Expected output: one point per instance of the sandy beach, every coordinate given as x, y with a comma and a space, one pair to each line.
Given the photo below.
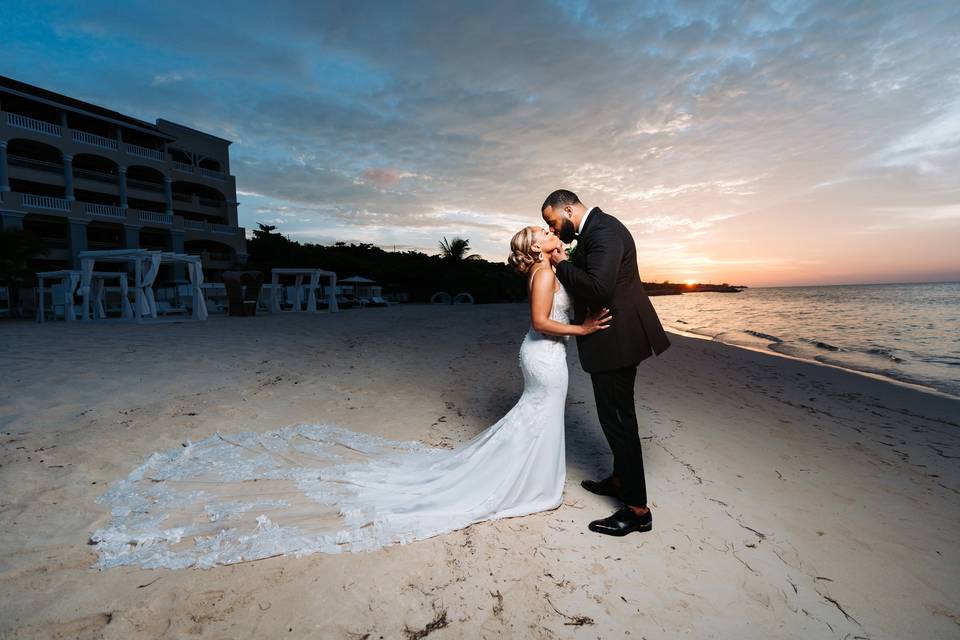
790, 499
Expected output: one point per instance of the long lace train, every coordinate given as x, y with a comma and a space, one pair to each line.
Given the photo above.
312, 488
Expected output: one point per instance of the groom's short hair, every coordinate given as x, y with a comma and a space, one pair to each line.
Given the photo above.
559, 199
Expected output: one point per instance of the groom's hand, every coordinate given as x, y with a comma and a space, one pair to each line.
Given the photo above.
558, 256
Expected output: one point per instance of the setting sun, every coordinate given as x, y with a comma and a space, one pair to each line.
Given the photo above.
690, 282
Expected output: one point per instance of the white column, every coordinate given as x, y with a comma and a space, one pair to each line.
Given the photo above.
68, 176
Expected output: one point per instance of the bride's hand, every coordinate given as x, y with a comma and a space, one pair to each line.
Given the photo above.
596, 321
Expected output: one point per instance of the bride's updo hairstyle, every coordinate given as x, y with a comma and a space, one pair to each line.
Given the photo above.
522, 257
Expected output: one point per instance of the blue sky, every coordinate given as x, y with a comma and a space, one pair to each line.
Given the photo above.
757, 143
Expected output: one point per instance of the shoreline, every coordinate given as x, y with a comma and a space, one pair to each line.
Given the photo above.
869, 374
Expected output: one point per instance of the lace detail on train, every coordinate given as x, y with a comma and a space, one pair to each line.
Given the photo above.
311, 488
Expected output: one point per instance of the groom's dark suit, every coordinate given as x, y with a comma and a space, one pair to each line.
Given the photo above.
603, 272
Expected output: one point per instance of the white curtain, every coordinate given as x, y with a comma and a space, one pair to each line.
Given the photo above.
334, 307
96, 293
275, 293
195, 270
148, 304
312, 298
72, 279
298, 292
125, 307
86, 271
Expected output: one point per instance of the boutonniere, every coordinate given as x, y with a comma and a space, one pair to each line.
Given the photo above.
571, 248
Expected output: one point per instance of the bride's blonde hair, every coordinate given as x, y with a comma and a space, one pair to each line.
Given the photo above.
522, 255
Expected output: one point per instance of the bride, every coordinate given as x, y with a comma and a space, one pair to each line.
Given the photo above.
320, 488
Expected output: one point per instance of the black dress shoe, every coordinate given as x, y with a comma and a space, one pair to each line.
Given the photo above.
604, 487
623, 522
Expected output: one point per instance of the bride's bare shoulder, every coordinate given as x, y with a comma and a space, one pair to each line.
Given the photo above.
543, 280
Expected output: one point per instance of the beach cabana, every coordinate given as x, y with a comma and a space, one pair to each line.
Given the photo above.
364, 289
146, 265
69, 280
299, 274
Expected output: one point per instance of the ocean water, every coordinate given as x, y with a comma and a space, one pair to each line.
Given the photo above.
908, 332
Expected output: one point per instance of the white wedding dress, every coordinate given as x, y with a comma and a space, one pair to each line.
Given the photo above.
320, 488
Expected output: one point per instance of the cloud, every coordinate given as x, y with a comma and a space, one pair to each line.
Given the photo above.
800, 122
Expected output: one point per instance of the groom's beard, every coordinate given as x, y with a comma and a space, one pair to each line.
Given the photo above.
567, 231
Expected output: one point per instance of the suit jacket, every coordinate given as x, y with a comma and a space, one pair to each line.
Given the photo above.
603, 273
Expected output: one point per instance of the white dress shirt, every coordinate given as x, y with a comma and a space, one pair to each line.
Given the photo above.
583, 220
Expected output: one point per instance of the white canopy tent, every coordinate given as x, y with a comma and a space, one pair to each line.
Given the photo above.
315, 275
146, 265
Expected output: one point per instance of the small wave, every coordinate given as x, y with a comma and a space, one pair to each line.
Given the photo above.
937, 360
765, 336
886, 353
822, 345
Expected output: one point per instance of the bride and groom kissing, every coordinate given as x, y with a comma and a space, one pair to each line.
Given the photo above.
311, 488
615, 324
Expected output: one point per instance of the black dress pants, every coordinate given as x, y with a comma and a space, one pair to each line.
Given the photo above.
613, 391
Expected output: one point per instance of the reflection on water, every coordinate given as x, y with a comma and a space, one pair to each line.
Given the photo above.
909, 332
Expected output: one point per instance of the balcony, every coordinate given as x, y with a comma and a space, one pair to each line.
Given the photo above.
49, 203
143, 185
210, 173
95, 140
98, 176
144, 152
156, 217
37, 165
32, 124
104, 211
200, 171
196, 204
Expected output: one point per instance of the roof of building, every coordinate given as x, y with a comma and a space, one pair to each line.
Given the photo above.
192, 130
358, 279
46, 95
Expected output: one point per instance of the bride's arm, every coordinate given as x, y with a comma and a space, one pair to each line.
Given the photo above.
541, 300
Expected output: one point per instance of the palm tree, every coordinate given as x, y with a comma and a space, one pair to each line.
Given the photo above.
456, 250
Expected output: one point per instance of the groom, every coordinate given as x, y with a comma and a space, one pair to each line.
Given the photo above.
603, 273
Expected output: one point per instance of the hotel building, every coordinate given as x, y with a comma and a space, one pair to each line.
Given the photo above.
82, 177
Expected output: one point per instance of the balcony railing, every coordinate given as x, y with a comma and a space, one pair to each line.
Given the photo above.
33, 163
95, 140
200, 171
144, 152
103, 210
196, 225
156, 217
99, 176
24, 122
210, 173
223, 228
44, 202
143, 184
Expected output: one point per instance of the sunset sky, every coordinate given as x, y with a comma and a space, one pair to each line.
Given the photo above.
743, 142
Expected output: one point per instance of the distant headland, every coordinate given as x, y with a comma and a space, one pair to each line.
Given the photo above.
667, 288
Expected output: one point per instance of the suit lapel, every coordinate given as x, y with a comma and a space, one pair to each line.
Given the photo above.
596, 213
579, 257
